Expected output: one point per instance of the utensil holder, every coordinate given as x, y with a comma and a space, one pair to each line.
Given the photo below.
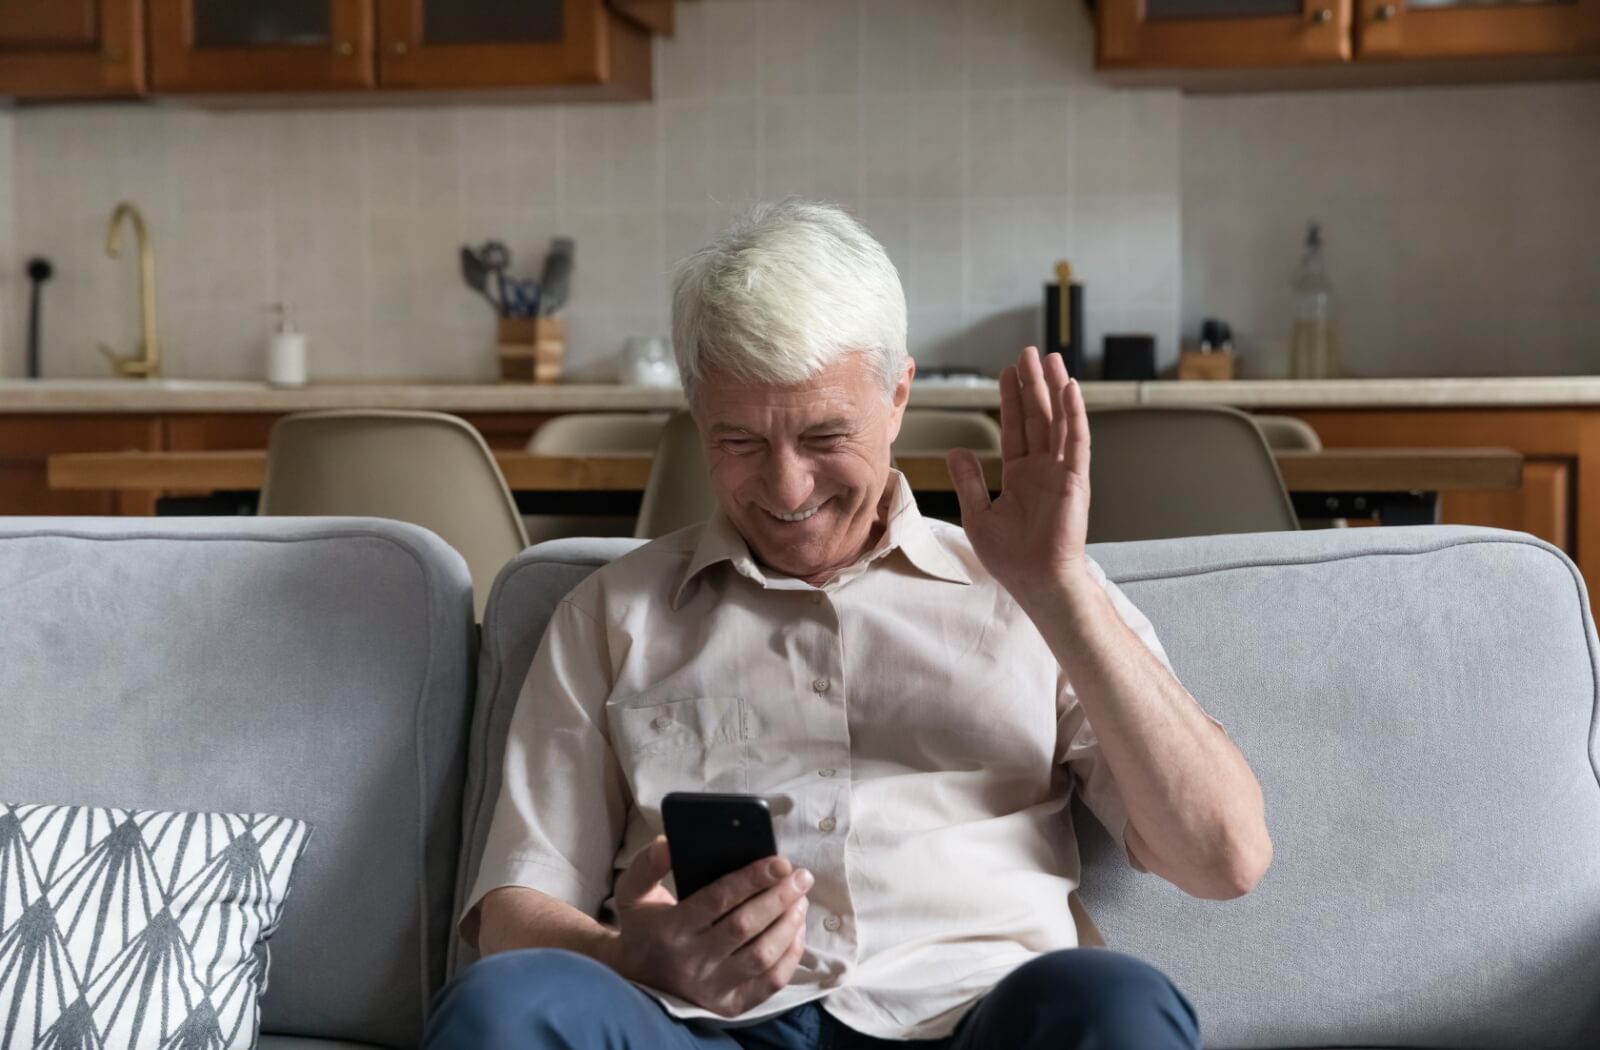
530, 349
1207, 364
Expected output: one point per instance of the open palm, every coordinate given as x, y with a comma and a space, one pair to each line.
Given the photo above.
1031, 537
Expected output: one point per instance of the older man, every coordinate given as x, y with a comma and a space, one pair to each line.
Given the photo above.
926, 698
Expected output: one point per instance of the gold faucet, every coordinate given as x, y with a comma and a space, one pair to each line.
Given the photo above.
147, 362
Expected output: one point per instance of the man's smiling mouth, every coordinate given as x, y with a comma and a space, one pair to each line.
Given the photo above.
800, 516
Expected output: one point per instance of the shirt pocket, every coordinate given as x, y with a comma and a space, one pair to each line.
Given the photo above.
701, 744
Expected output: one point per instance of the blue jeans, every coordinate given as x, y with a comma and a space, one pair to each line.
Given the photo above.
543, 999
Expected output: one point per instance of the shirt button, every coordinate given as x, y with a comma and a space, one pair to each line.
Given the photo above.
820, 685
816, 599
832, 923
828, 824
660, 722
826, 772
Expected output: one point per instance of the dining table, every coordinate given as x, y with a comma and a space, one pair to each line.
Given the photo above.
1396, 486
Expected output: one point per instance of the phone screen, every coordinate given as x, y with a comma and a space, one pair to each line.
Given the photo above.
713, 835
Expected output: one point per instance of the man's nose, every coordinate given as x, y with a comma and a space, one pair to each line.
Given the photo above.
789, 482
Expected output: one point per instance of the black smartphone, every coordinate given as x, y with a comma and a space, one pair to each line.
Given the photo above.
714, 835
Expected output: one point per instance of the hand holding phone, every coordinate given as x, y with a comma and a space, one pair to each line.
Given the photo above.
727, 945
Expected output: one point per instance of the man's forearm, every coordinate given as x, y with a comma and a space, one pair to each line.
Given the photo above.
1195, 810
515, 917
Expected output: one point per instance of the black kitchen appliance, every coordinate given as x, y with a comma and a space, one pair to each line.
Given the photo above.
1063, 320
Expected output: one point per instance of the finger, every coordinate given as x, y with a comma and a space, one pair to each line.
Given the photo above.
1036, 410
1078, 431
648, 867
966, 475
764, 986
712, 902
1013, 443
1056, 379
746, 924
767, 949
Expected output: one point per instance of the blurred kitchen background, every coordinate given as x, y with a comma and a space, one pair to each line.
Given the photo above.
975, 138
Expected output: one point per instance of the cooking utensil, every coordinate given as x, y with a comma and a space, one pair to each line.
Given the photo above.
476, 274
496, 259
39, 271
522, 298
556, 279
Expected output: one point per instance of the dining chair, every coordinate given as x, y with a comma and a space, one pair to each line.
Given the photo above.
592, 434
930, 431
1158, 472
426, 468
1286, 433
679, 491
598, 433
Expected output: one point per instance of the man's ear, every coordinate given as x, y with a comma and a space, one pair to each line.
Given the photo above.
898, 399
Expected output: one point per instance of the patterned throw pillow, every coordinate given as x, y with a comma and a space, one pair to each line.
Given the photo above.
134, 929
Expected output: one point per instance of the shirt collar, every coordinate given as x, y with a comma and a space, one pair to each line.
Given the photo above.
907, 531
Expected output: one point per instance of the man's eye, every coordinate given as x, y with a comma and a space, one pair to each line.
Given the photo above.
827, 440
739, 446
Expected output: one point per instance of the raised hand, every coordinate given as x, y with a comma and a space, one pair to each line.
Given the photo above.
1031, 538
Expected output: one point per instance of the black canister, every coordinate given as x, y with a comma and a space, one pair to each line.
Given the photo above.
1063, 324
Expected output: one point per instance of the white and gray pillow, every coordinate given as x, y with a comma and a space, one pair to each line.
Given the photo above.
136, 928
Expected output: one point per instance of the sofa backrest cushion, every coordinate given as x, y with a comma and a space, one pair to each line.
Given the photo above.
525, 594
1420, 707
313, 668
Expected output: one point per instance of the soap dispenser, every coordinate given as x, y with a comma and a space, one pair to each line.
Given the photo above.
286, 351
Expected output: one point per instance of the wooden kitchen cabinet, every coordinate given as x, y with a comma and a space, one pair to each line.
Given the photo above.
1542, 507
465, 44
253, 48
655, 15
218, 46
1432, 29
71, 48
1281, 44
1221, 34
1559, 500
28, 441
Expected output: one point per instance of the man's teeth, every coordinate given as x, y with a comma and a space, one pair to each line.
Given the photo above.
802, 516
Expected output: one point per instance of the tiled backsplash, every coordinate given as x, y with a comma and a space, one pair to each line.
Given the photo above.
1462, 225
968, 134
971, 135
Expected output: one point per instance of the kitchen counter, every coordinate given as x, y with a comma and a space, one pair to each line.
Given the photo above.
1503, 392
65, 396
187, 395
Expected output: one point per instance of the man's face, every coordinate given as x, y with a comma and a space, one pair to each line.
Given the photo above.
799, 470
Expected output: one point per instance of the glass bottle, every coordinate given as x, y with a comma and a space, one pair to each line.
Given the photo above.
1313, 343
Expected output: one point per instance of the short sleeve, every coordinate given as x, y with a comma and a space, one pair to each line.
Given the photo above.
1076, 744
562, 807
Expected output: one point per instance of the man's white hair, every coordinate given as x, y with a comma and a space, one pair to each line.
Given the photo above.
786, 291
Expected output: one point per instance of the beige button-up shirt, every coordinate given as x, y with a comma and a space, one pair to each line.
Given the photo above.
924, 738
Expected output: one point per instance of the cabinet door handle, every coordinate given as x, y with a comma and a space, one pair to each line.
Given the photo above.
1322, 15
345, 48
400, 47
1386, 12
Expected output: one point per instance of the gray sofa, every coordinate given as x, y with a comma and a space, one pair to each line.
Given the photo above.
1420, 705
